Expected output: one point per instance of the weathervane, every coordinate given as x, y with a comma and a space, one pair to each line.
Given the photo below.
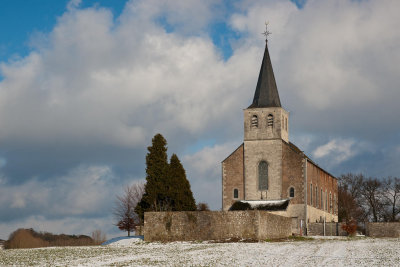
266, 32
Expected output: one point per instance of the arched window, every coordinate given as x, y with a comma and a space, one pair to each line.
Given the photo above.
291, 192
334, 203
254, 121
326, 199
263, 176
270, 120
322, 199
235, 193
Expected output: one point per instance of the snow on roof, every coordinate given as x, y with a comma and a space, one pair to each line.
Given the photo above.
265, 203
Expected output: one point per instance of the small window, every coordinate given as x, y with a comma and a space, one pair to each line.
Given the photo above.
235, 193
286, 124
254, 121
311, 193
270, 120
291, 192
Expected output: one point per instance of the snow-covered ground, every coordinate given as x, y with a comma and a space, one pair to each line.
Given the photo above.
132, 252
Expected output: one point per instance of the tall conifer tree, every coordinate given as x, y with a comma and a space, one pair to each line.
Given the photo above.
166, 185
155, 197
179, 189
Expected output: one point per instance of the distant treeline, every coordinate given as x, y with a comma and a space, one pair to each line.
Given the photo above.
29, 238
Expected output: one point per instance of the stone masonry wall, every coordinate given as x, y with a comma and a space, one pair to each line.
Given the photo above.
263, 131
232, 178
255, 152
383, 229
331, 229
214, 225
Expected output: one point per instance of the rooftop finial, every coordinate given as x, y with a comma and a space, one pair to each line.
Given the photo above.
266, 32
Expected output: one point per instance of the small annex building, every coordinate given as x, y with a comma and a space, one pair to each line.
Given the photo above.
267, 167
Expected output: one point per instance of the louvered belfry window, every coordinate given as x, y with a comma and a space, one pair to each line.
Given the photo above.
263, 176
270, 120
254, 121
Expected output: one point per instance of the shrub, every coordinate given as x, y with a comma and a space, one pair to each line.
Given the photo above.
24, 238
202, 207
29, 238
238, 205
98, 237
350, 227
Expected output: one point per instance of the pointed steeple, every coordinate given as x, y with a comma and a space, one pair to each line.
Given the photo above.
266, 94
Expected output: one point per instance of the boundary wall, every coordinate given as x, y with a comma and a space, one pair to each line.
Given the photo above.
383, 229
215, 225
331, 229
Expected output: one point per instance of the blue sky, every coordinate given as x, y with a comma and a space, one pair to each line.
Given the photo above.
85, 85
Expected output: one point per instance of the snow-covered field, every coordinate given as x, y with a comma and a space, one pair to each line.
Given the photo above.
133, 252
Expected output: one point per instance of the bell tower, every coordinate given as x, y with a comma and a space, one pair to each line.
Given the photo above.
266, 126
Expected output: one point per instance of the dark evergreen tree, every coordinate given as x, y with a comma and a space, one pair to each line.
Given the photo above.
155, 197
166, 185
179, 187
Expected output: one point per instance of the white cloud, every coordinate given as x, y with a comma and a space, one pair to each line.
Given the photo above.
94, 83
85, 190
204, 172
73, 4
338, 150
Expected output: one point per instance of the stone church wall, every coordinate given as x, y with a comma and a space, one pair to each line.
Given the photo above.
214, 225
383, 229
232, 178
292, 174
271, 152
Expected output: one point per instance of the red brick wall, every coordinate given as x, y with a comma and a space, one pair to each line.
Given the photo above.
323, 180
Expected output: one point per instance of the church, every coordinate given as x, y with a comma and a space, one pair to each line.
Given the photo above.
268, 170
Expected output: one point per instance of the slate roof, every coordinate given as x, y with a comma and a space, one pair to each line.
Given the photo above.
266, 94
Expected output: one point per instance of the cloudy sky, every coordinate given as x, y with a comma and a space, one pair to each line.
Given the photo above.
85, 85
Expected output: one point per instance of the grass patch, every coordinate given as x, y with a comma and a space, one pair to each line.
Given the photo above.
300, 238
290, 238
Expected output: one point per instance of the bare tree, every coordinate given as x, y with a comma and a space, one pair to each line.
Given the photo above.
98, 237
351, 203
124, 209
391, 194
352, 183
348, 209
372, 193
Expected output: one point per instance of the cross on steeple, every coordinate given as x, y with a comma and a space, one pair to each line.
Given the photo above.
266, 32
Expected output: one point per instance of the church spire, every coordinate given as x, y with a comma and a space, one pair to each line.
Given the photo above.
266, 94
